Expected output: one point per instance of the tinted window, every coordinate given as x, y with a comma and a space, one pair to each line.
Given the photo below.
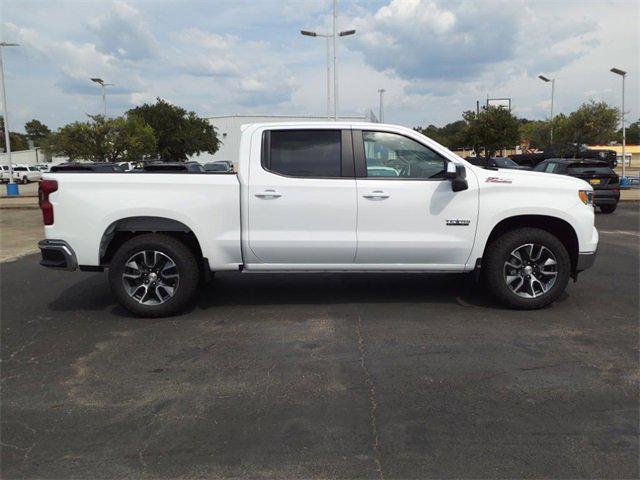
19, 169
305, 153
392, 155
505, 162
586, 169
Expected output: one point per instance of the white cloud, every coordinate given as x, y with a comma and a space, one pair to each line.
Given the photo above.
124, 33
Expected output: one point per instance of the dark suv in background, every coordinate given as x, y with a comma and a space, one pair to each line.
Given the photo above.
605, 182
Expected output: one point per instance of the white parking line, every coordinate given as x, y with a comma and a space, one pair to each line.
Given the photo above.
619, 232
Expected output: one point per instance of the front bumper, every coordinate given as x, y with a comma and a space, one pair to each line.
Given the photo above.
57, 254
585, 260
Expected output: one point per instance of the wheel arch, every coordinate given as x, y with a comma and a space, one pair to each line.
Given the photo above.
124, 229
558, 227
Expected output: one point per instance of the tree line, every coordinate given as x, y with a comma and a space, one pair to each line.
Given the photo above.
495, 128
159, 131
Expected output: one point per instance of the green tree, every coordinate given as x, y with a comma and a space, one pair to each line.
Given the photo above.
632, 133
179, 133
450, 135
491, 129
37, 131
593, 123
104, 139
18, 140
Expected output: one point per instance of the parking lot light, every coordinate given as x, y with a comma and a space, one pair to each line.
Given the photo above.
623, 74
12, 187
553, 85
104, 96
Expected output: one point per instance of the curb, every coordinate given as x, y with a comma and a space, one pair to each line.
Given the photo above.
19, 256
19, 207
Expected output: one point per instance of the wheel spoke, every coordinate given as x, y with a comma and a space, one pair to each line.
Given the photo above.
530, 270
150, 277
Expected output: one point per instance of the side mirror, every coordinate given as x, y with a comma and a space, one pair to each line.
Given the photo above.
457, 174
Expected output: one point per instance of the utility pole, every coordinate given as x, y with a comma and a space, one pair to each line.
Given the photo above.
381, 110
12, 187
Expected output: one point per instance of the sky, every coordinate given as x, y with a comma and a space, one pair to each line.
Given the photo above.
434, 58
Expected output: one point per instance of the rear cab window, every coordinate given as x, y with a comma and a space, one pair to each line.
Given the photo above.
313, 153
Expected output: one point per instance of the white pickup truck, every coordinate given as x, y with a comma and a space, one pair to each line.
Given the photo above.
318, 197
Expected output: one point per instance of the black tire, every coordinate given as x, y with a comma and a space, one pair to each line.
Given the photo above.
499, 251
185, 264
608, 208
25, 180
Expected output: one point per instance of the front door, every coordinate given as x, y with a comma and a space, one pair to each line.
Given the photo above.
302, 198
407, 211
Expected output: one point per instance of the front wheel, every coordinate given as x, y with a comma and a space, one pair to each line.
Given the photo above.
25, 180
154, 275
608, 208
527, 268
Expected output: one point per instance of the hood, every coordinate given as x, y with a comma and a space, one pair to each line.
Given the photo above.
530, 178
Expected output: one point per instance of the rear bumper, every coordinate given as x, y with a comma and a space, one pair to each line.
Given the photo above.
606, 197
585, 261
57, 254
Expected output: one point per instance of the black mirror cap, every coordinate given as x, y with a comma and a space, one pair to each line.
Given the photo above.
459, 184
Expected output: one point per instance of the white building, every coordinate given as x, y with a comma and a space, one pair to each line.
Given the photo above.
228, 131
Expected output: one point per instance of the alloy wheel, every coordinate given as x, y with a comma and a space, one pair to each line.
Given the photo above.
150, 277
530, 270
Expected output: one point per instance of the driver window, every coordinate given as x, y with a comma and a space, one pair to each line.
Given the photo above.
394, 156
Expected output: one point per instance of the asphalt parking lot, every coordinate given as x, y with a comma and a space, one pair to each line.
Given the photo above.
328, 376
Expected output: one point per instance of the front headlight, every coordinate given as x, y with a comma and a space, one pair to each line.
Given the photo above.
586, 196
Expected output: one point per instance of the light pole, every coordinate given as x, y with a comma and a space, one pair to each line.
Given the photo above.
104, 95
331, 36
623, 74
381, 111
553, 87
12, 187
327, 36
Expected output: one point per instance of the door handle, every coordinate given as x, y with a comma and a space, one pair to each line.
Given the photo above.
269, 193
376, 194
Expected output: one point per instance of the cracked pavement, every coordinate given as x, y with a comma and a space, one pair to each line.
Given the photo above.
324, 376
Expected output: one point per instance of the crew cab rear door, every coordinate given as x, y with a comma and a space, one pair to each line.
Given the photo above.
408, 214
302, 198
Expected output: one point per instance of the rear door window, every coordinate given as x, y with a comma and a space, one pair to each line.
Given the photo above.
304, 153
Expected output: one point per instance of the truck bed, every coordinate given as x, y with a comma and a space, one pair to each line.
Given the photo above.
208, 205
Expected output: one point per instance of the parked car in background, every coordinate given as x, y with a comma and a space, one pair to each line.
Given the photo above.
26, 174
496, 162
605, 182
43, 167
4, 173
303, 200
223, 167
127, 166
86, 167
171, 167
533, 159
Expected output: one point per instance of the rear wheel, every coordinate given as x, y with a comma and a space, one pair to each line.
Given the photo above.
154, 275
25, 180
608, 208
526, 268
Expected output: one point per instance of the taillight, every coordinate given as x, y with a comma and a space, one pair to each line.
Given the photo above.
45, 188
